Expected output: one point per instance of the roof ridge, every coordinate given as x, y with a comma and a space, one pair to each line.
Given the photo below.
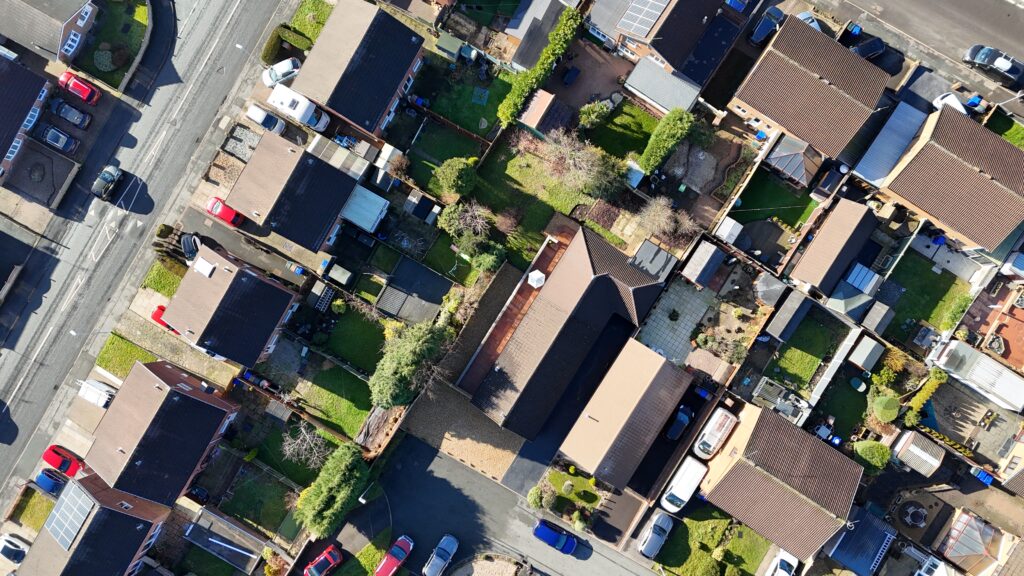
978, 169
820, 78
744, 459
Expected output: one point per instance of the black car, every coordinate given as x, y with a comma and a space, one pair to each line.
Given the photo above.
683, 418
104, 184
870, 48
198, 494
1008, 69
767, 25
73, 115
190, 245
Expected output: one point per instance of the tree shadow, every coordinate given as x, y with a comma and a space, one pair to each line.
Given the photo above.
8, 427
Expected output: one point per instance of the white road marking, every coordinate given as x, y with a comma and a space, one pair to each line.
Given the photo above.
110, 231
75, 287
138, 186
21, 381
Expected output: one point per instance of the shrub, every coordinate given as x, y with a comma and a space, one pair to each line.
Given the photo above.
894, 360
884, 378
658, 216
320, 338
938, 374
667, 135
392, 327
935, 379
592, 481
731, 570
294, 38
393, 383
490, 258
251, 455
702, 564
533, 497
886, 408
339, 306
335, 492
872, 455
272, 47
578, 523
593, 114
911, 419
548, 496
567, 487
456, 176
608, 177
572, 470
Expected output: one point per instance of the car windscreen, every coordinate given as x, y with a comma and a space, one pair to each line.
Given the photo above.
789, 568
268, 122
397, 552
674, 500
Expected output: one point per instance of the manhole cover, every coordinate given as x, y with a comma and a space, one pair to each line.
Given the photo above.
37, 172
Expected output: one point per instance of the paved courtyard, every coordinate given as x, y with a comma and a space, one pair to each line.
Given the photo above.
671, 338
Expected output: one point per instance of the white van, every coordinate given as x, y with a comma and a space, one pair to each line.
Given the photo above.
714, 434
96, 392
298, 107
683, 484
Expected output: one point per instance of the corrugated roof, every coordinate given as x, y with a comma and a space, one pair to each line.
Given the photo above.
885, 152
846, 230
919, 453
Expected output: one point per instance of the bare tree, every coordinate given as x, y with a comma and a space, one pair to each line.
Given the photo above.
572, 160
398, 167
474, 218
522, 142
658, 216
686, 228
304, 445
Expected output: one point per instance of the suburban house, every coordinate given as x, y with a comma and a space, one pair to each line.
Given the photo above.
677, 44
24, 96
640, 392
974, 545
158, 431
95, 529
861, 546
811, 88
54, 29
228, 308
301, 197
362, 65
834, 248
580, 303
965, 179
786, 484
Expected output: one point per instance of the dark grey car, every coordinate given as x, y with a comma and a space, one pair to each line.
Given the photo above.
104, 184
1008, 69
441, 556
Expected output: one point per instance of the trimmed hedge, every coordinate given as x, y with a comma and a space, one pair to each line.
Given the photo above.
282, 33
667, 135
323, 506
524, 83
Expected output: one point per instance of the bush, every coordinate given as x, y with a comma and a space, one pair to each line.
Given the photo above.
911, 419
294, 38
272, 47
251, 455
670, 131
702, 564
658, 216
320, 339
393, 383
894, 360
938, 374
872, 455
935, 379
593, 114
567, 487
548, 496
339, 306
731, 570
886, 408
572, 470
490, 258
323, 506
456, 176
578, 523
884, 378
533, 498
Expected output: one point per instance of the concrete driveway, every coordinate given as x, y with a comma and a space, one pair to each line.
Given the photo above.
431, 494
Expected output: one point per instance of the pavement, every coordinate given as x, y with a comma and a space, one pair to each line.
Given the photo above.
93, 255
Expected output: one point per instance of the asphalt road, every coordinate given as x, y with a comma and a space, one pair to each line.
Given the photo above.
93, 256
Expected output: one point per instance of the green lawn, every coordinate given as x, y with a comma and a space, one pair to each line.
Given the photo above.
32, 509
357, 339
340, 399
270, 454
385, 258
437, 143
199, 561
368, 287
846, 404
162, 279
766, 196
310, 17
582, 492
443, 260
1005, 126
119, 354
690, 542
746, 549
627, 129
799, 358
455, 101
365, 561
115, 16
938, 299
258, 500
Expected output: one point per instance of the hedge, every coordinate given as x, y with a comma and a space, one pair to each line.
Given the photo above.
335, 492
524, 83
282, 33
667, 135
925, 393
872, 455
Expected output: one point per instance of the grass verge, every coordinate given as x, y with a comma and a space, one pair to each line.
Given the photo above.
119, 354
365, 561
162, 279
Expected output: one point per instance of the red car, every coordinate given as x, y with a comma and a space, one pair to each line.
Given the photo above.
63, 459
158, 317
87, 92
395, 557
324, 563
217, 207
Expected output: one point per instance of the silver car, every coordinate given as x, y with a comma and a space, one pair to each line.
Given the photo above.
654, 536
281, 72
441, 556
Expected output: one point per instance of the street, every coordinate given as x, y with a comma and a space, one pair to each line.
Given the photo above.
94, 254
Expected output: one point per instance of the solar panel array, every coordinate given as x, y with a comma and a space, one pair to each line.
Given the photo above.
641, 16
66, 520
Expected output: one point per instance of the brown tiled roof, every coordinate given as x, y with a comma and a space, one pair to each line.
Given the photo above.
835, 245
967, 178
1016, 483
813, 87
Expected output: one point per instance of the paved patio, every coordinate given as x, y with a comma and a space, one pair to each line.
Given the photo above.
960, 265
671, 338
599, 74
958, 411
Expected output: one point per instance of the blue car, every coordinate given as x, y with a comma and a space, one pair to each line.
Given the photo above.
554, 536
51, 481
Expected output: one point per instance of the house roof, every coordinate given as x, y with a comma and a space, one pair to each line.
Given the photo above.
359, 61
37, 22
768, 288
538, 27
847, 299
233, 311
789, 316
985, 374
669, 90
817, 89
413, 292
966, 177
789, 486
703, 263
888, 147
835, 245
795, 159
861, 547
592, 285
640, 392
972, 543
19, 89
689, 21
919, 453
1015, 483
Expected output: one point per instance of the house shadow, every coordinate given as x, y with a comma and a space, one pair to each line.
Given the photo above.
156, 69
27, 293
8, 427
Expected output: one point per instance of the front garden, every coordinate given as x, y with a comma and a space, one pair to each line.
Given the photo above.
1012, 131
936, 299
767, 196
797, 361
31, 509
706, 534
119, 354
117, 40
165, 276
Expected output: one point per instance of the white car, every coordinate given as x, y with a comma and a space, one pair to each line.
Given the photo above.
809, 18
268, 121
784, 564
281, 72
12, 548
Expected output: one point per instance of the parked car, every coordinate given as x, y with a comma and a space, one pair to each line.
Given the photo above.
190, 245
1006, 68
80, 88
51, 481
784, 564
158, 317
654, 537
809, 18
767, 25
217, 207
298, 108
683, 418
949, 99
683, 484
58, 139
554, 536
395, 557
441, 556
198, 494
12, 548
870, 48
324, 563
68, 112
265, 119
106, 180
714, 434
63, 459
281, 72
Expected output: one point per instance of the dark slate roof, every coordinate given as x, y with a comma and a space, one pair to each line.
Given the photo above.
848, 300
795, 159
878, 317
376, 71
862, 548
653, 260
683, 28
19, 88
714, 44
107, 544
310, 202
789, 316
536, 37
41, 22
703, 263
413, 292
245, 318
